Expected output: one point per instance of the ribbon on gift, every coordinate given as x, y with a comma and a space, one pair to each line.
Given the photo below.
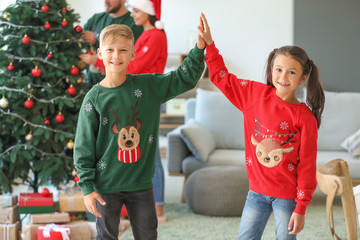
8, 200
64, 230
69, 189
6, 231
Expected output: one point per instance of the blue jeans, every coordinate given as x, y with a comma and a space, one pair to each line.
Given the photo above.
158, 181
140, 207
257, 211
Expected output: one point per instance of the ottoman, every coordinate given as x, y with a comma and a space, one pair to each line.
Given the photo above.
217, 191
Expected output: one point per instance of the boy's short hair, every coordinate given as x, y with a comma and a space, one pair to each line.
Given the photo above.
117, 31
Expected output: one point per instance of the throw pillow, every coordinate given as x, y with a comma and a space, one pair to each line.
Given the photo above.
198, 139
356, 153
352, 143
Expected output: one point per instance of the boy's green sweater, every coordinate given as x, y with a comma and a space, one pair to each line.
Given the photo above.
136, 102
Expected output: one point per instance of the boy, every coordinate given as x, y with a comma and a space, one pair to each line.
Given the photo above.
117, 134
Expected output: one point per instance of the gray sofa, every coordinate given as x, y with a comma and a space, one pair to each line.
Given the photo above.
213, 134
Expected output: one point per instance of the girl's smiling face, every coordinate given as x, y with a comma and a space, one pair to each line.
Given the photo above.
287, 75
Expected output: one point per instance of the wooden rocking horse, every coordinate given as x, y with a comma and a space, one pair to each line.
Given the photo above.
334, 180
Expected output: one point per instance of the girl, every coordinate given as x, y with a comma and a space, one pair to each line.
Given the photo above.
280, 136
151, 55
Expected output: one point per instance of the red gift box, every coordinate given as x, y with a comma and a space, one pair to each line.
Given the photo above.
35, 200
53, 232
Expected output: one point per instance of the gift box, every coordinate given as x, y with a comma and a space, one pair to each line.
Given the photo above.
36, 203
53, 232
9, 215
35, 200
10, 231
79, 230
43, 209
8, 200
50, 218
72, 202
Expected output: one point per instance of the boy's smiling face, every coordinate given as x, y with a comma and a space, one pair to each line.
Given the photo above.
116, 54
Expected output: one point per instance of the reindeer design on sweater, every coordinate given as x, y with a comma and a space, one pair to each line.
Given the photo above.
128, 138
269, 151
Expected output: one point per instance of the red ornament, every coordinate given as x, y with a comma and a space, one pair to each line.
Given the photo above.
47, 25
71, 90
29, 103
63, 10
47, 122
36, 72
50, 55
64, 23
78, 29
74, 71
76, 179
26, 39
60, 118
89, 52
45, 8
11, 67
45, 192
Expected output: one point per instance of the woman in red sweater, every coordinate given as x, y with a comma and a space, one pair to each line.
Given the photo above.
280, 136
151, 55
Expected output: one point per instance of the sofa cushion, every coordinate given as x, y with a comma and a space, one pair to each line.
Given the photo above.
221, 118
198, 139
340, 119
352, 144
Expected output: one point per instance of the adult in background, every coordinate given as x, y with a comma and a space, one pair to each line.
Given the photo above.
151, 55
115, 13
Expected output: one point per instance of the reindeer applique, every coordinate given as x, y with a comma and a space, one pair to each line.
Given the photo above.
269, 151
128, 138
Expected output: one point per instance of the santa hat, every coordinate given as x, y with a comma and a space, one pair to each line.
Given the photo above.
151, 7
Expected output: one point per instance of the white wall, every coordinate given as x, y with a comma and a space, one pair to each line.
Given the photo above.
244, 31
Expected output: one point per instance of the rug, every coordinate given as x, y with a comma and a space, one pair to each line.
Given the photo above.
183, 224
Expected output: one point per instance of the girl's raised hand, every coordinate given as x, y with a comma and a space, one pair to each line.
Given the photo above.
204, 30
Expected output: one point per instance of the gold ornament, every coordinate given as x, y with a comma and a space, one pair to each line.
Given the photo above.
74, 173
6, 15
70, 144
80, 80
4, 103
29, 136
81, 65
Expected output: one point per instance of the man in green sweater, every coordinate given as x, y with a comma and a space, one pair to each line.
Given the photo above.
115, 13
117, 134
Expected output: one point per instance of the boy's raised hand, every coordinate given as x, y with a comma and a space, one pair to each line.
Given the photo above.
90, 203
204, 32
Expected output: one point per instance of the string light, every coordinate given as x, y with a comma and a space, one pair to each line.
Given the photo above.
35, 125
42, 100
62, 154
272, 134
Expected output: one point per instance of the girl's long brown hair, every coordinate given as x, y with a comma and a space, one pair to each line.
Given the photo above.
315, 96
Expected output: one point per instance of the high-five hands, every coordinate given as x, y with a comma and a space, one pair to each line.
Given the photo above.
204, 35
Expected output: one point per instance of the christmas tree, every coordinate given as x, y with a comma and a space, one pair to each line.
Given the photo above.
41, 91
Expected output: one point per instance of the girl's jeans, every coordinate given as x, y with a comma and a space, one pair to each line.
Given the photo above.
158, 181
257, 211
140, 207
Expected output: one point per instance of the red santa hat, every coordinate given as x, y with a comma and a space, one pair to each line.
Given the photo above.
151, 7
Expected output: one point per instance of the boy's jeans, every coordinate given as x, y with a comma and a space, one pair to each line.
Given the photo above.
140, 207
257, 211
